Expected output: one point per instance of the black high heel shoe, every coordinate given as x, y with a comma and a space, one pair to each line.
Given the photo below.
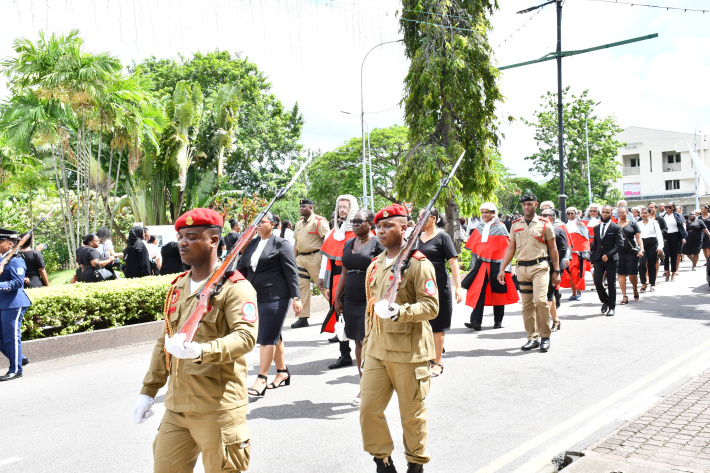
254, 392
284, 382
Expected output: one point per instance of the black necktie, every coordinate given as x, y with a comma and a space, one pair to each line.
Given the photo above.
603, 229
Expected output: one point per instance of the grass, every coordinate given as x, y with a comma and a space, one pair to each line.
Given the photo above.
61, 277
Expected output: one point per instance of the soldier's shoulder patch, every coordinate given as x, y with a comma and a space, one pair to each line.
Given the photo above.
20, 270
517, 219
236, 276
249, 312
179, 277
418, 255
430, 287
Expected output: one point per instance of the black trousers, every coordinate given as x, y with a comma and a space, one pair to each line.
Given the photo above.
608, 268
477, 313
648, 260
345, 348
672, 242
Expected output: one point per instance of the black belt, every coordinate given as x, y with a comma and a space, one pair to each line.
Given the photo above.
531, 263
309, 253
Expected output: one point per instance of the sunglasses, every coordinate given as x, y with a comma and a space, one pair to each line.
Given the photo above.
358, 221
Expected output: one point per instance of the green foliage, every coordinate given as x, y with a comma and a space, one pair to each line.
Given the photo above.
450, 101
267, 134
339, 171
70, 308
603, 148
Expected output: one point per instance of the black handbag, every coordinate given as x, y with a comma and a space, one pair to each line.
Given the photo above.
104, 274
635, 248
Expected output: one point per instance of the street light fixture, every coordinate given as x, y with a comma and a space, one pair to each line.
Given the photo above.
589, 169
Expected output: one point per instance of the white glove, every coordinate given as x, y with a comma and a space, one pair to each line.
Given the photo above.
385, 310
143, 409
179, 348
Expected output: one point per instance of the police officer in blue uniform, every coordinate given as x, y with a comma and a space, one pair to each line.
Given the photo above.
13, 305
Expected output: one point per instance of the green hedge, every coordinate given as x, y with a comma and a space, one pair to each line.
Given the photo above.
61, 310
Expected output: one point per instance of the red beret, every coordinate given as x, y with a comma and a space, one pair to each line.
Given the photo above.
199, 218
394, 210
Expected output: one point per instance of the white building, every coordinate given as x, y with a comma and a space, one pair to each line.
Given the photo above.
656, 166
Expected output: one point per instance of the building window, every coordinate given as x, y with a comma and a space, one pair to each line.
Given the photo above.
673, 158
632, 165
673, 185
671, 161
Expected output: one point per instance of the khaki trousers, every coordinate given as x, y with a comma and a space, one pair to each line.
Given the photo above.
411, 381
222, 437
308, 268
533, 282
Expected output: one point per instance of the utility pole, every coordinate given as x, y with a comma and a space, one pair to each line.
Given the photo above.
560, 131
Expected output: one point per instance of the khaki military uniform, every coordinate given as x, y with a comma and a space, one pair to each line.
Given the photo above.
206, 401
397, 358
309, 234
533, 273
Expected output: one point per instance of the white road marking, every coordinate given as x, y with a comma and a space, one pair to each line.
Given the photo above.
10, 460
700, 355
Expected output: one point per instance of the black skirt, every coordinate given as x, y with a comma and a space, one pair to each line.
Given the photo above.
272, 315
628, 264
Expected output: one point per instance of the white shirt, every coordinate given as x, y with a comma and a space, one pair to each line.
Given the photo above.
153, 251
195, 285
288, 235
651, 230
257, 253
105, 248
671, 223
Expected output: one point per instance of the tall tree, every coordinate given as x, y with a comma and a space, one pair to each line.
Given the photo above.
603, 148
450, 101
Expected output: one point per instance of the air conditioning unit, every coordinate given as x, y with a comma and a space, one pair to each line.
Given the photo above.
668, 169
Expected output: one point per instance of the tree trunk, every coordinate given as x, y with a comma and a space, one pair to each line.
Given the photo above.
73, 241
107, 199
79, 175
64, 212
98, 169
115, 190
452, 222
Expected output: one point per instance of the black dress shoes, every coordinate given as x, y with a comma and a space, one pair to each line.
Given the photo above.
476, 327
25, 361
383, 467
530, 345
610, 313
300, 323
544, 344
414, 467
341, 362
605, 307
498, 325
10, 376
333, 339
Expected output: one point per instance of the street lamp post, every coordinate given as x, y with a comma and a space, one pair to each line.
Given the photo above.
362, 121
369, 159
589, 169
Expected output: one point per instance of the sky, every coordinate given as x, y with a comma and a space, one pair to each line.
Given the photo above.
313, 50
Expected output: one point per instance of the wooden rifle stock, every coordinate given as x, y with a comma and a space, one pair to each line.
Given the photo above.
402, 261
229, 265
22, 241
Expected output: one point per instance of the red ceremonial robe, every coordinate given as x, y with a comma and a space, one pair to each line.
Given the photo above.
332, 249
578, 238
486, 258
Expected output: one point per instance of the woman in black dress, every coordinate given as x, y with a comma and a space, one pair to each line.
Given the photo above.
628, 259
269, 264
697, 233
136, 255
705, 216
437, 246
350, 298
91, 259
35, 275
231, 238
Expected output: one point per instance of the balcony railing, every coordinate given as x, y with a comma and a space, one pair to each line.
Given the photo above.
632, 171
671, 167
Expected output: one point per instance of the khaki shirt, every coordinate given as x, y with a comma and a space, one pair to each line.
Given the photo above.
309, 233
409, 339
530, 241
226, 334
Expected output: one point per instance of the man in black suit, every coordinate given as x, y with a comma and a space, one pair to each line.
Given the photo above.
608, 240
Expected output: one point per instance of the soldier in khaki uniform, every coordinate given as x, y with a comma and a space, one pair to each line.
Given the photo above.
397, 347
309, 232
206, 401
534, 239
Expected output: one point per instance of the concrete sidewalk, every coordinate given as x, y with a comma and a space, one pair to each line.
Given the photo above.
672, 436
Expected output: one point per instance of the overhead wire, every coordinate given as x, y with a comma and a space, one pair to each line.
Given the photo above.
520, 27
662, 7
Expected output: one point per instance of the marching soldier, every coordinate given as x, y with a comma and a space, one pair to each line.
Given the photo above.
13, 305
206, 401
534, 241
397, 347
309, 233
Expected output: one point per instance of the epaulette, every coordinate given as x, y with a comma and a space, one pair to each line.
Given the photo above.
318, 217
179, 277
544, 219
418, 255
519, 218
236, 276
373, 259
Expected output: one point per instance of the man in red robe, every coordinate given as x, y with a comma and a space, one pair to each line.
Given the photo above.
332, 251
488, 242
578, 238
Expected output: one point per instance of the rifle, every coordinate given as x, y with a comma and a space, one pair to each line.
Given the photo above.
22, 241
214, 284
402, 261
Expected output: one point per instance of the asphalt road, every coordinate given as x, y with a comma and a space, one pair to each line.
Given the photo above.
495, 408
